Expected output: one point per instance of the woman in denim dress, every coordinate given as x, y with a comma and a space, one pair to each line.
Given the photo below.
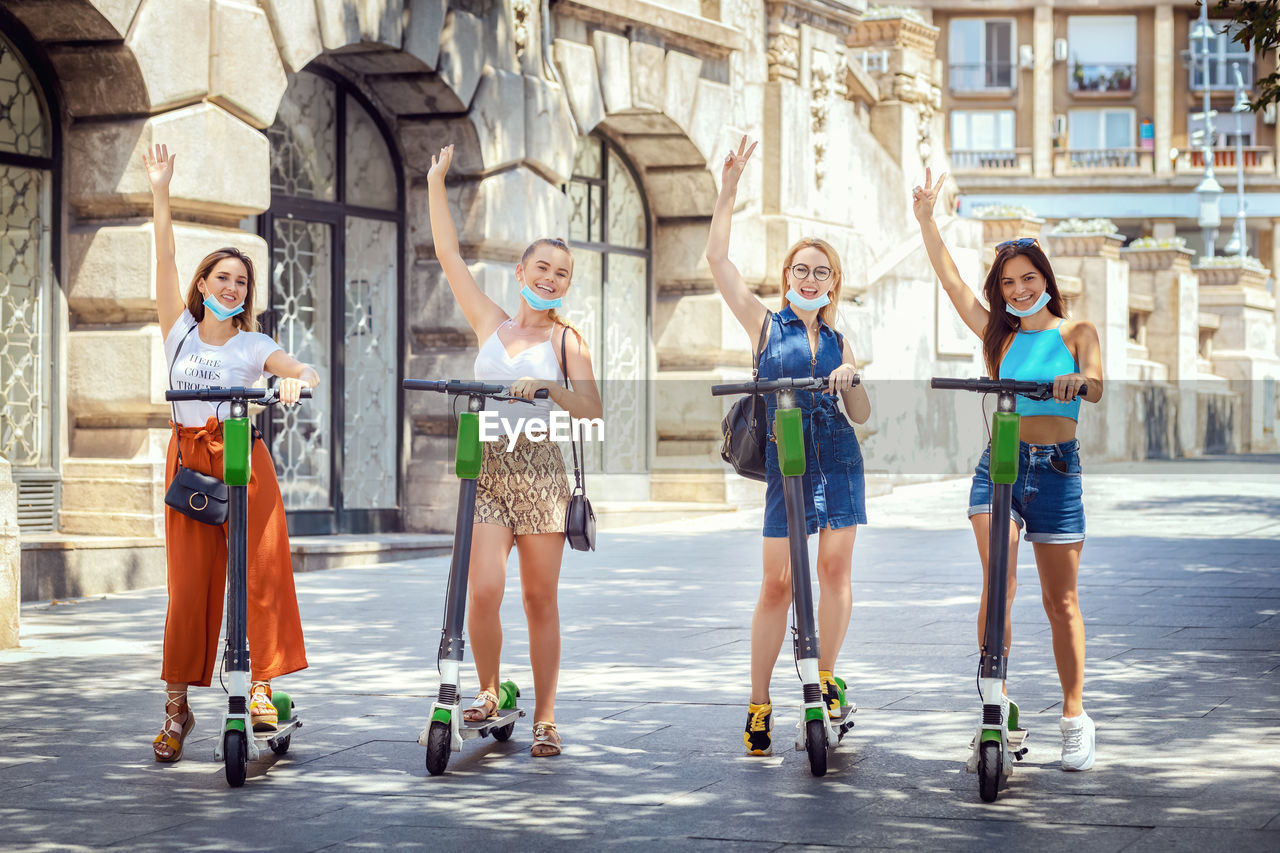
800, 342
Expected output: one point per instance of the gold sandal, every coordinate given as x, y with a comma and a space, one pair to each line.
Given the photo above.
485, 707
262, 711
174, 734
546, 740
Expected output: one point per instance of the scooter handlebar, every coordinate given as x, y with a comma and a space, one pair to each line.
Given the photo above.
771, 386
1032, 390
454, 386
265, 396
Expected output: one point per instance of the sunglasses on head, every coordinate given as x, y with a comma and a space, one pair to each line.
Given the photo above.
1020, 243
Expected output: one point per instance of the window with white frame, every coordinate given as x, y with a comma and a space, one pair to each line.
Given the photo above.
1101, 138
981, 54
1223, 53
1103, 51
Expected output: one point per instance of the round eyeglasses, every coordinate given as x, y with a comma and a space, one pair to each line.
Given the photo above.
801, 271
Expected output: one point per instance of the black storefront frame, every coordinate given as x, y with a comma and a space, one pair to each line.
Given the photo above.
337, 518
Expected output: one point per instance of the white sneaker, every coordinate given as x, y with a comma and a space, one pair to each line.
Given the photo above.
1077, 742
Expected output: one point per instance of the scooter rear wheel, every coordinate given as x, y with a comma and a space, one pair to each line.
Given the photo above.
503, 733
438, 745
815, 742
235, 751
989, 771
281, 746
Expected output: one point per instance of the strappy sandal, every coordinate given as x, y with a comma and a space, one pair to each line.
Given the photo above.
262, 711
546, 740
485, 707
174, 734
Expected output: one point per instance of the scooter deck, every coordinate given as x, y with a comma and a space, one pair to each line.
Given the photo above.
481, 728
278, 730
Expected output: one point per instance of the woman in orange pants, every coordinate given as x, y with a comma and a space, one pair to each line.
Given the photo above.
210, 341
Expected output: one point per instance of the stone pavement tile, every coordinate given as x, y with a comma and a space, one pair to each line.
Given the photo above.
1163, 839
31, 828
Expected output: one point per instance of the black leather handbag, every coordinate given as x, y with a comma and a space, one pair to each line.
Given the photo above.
192, 493
579, 520
744, 427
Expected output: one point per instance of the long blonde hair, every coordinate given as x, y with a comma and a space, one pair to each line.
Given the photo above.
247, 320
562, 245
828, 313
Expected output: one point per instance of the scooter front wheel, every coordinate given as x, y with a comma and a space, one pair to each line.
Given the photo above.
989, 771
235, 751
438, 737
815, 742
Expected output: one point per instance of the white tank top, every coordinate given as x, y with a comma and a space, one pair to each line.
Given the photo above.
540, 361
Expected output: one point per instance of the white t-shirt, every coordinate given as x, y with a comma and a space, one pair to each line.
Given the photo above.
240, 361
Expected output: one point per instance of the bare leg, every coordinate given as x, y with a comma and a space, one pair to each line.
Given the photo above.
835, 603
486, 581
982, 530
540, 556
769, 622
1059, 566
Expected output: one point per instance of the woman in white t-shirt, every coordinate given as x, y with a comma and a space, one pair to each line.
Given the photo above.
209, 341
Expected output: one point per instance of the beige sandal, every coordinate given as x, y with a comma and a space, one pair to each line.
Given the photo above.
485, 707
174, 734
546, 740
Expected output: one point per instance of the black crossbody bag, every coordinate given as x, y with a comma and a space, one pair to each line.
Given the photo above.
744, 427
579, 520
192, 493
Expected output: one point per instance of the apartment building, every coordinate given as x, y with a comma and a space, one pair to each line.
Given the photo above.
1095, 110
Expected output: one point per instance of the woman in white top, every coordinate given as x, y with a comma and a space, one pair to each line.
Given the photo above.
521, 493
210, 340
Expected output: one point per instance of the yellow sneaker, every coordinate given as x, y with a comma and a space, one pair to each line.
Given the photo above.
757, 737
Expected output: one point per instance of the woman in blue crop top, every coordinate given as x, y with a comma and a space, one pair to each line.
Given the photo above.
1026, 335
800, 341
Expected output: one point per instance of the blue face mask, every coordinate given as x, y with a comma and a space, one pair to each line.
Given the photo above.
220, 312
1039, 303
537, 303
794, 297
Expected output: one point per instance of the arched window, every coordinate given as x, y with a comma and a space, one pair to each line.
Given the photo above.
609, 235
335, 231
27, 198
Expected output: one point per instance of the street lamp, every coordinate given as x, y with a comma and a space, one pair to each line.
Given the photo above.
1239, 244
1209, 191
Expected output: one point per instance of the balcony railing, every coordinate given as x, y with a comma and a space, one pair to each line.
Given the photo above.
981, 77
1220, 74
1102, 79
989, 161
1105, 160
1256, 159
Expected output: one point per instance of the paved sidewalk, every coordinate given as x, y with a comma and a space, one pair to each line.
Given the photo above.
1180, 589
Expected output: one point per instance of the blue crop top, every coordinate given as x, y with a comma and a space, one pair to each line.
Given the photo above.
1041, 357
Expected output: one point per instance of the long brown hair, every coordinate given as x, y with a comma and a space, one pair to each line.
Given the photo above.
247, 320
555, 243
1001, 325
829, 312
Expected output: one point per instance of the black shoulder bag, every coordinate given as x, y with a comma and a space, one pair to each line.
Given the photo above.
744, 427
192, 493
579, 520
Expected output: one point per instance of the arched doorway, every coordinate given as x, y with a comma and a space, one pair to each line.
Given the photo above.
28, 201
609, 234
335, 233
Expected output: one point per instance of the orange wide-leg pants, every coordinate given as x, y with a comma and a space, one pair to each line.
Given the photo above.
196, 557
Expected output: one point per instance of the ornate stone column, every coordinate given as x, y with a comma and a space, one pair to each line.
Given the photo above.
10, 558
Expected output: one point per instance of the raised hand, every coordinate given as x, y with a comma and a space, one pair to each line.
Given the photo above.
159, 166
440, 164
734, 163
924, 198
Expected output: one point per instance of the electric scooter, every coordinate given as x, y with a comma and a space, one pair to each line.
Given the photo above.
446, 729
999, 741
818, 731
240, 743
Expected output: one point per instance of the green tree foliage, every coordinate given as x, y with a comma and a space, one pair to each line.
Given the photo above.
1260, 33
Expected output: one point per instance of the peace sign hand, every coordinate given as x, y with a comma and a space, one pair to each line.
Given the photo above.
735, 163
159, 166
924, 198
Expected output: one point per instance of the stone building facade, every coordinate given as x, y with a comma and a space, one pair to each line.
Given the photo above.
304, 130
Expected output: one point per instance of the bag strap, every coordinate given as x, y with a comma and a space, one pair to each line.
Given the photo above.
759, 350
564, 370
174, 406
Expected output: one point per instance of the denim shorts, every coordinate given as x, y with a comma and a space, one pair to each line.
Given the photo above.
1047, 496
835, 492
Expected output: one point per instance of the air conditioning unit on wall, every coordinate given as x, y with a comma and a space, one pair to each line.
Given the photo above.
1059, 50
1059, 126
1026, 56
